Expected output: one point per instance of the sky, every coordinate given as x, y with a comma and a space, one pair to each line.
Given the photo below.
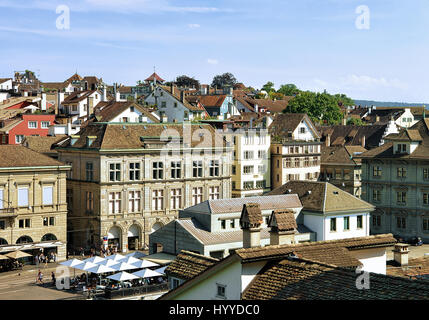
380, 53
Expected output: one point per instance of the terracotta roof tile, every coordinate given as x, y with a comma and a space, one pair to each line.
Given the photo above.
188, 265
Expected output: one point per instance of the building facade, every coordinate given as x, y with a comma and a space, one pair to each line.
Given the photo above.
33, 208
295, 149
129, 179
395, 178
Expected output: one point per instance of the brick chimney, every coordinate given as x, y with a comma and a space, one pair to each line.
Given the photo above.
250, 223
283, 227
328, 140
400, 254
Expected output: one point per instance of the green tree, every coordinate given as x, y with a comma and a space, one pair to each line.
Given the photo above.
355, 122
289, 89
185, 81
222, 80
268, 87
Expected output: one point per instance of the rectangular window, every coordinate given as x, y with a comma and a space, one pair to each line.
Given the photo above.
134, 200
176, 199
89, 197
248, 185
24, 223
51, 221
214, 193
32, 124
400, 222
134, 171
248, 169
359, 222
176, 169
287, 163
114, 202
23, 197
221, 291
333, 224
426, 198
19, 138
158, 170
157, 200
69, 199
376, 195
346, 223
2, 225
214, 168
248, 155
260, 184
232, 221
48, 221
45, 124
376, 171
197, 195
426, 224
48, 193
223, 224
401, 172
426, 174
89, 171
197, 169
376, 221
115, 172
163, 104
262, 154
401, 197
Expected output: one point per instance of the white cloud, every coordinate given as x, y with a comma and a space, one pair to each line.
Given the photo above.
193, 25
212, 61
368, 81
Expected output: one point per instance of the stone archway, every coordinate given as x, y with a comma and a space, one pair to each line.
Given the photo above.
134, 238
24, 239
157, 225
114, 237
3, 241
49, 237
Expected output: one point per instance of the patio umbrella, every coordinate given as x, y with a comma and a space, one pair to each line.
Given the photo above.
161, 270
71, 263
95, 260
117, 257
108, 262
17, 254
123, 276
145, 264
131, 260
147, 273
121, 266
85, 266
136, 254
4, 257
99, 269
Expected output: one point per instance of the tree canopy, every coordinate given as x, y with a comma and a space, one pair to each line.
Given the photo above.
288, 89
185, 81
222, 80
320, 107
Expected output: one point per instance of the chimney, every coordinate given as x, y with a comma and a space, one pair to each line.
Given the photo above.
363, 141
283, 227
43, 103
104, 93
60, 98
250, 222
88, 112
164, 119
328, 140
182, 96
400, 254
172, 89
117, 96
377, 118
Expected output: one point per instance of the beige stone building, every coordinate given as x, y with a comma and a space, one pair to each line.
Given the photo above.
33, 209
130, 179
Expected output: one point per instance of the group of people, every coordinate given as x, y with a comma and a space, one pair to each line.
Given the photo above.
41, 258
8, 265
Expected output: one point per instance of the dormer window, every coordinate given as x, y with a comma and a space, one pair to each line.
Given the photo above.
90, 140
401, 148
74, 140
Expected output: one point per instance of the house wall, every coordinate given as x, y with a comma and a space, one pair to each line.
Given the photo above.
159, 95
7, 85
230, 277
373, 259
344, 234
23, 129
131, 116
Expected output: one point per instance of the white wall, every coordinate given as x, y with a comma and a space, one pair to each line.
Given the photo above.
229, 276
373, 259
132, 116
249, 271
307, 136
314, 223
4, 96
7, 85
344, 234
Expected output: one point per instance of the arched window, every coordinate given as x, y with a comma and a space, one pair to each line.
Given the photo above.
156, 226
2, 241
24, 239
49, 237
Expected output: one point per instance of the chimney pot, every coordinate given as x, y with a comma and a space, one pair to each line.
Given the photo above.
400, 254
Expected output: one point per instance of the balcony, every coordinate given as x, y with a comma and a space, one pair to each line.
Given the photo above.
8, 213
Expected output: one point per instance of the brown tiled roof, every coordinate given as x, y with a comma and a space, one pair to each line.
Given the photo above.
13, 156
211, 100
54, 85
281, 251
155, 76
386, 150
276, 106
4, 79
297, 280
283, 220
76, 97
140, 135
276, 202
322, 196
286, 123
107, 111
74, 77
415, 268
353, 135
42, 144
251, 214
405, 135
186, 103
341, 154
188, 265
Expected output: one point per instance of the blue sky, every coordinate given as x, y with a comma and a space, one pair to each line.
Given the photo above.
312, 43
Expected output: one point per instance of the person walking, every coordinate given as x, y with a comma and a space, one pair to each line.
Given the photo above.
39, 277
54, 280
